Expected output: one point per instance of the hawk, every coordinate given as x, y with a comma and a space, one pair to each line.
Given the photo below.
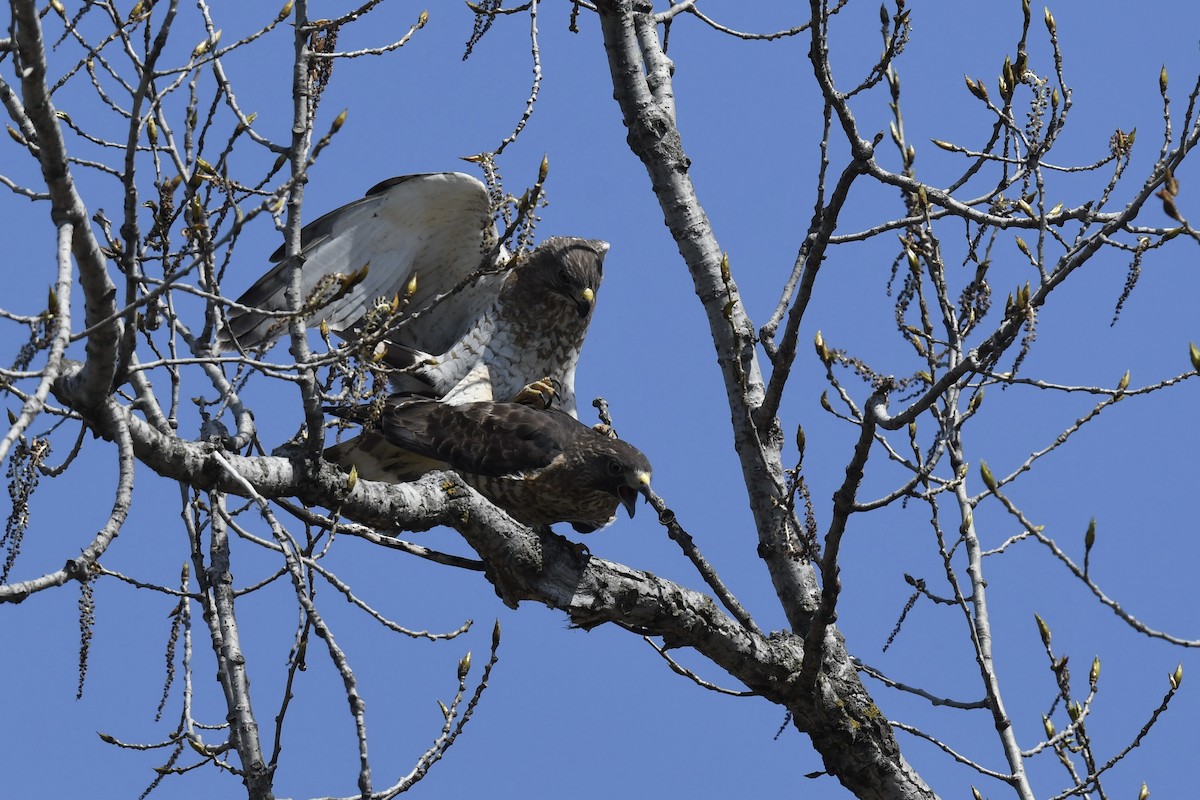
475, 328
532, 331
540, 465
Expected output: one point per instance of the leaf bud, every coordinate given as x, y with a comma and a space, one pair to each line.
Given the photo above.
989, 479
822, 350
204, 46
976, 88
1043, 630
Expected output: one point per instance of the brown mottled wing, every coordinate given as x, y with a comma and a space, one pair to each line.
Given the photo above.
541, 466
434, 226
489, 439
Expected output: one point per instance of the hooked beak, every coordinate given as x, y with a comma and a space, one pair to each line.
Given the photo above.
585, 301
629, 494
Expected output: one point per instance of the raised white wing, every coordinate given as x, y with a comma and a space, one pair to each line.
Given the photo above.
435, 226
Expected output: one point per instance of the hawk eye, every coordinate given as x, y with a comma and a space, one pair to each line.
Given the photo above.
615, 467
564, 276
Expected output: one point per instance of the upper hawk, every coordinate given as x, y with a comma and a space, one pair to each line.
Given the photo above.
476, 328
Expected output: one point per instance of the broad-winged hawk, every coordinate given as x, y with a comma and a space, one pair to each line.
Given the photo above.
541, 466
486, 341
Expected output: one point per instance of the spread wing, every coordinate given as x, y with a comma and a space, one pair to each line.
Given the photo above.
436, 227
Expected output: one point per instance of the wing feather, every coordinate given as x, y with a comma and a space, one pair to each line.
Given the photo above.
435, 226
484, 438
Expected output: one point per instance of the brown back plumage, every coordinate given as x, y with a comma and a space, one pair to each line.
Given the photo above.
540, 465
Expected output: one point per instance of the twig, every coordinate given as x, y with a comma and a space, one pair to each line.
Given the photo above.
667, 518
933, 699
679, 669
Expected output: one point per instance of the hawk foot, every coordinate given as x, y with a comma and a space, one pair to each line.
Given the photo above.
539, 394
605, 430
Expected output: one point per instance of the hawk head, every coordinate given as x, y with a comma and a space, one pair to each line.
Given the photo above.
615, 468
563, 267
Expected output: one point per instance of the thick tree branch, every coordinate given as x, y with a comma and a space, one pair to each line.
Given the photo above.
655, 140
216, 582
304, 82
67, 207
981, 633
856, 743
843, 507
812, 253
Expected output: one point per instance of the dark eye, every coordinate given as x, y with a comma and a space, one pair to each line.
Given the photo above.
615, 468
564, 276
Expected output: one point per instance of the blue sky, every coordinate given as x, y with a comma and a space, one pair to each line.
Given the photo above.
597, 714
